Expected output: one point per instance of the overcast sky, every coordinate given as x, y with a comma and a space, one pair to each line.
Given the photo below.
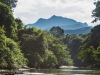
29, 11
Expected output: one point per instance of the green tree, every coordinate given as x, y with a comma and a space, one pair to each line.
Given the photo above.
10, 53
90, 56
33, 45
42, 49
97, 59
19, 23
50, 60
96, 11
73, 43
92, 38
11, 3
7, 19
59, 50
89, 51
57, 31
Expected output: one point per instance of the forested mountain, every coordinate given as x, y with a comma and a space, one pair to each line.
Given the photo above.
69, 26
64, 23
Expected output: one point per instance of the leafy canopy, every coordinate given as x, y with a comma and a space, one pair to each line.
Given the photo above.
7, 19
11, 3
96, 11
10, 53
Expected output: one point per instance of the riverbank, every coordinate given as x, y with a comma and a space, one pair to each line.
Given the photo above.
21, 70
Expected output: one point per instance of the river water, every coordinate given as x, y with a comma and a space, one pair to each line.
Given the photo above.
65, 72
74, 71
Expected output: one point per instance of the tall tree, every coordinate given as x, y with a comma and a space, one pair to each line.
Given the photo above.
7, 19
11, 3
73, 43
19, 23
57, 31
60, 50
96, 11
89, 52
33, 45
10, 53
91, 48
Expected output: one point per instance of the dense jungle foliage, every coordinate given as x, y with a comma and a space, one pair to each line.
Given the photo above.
21, 46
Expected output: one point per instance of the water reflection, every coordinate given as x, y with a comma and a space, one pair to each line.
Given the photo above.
69, 72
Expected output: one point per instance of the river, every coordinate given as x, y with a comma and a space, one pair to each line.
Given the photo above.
65, 72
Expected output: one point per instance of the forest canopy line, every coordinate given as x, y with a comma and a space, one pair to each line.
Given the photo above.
32, 47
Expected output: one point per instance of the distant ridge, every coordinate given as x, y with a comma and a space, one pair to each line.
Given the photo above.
63, 22
84, 30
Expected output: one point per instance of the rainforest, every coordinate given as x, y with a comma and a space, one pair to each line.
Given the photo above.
33, 47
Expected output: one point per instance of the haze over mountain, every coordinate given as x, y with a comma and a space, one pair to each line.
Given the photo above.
64, 23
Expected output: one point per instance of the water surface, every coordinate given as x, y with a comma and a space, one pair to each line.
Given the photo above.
68, 72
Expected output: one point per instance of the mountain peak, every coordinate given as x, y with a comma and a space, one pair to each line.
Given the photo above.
54, 16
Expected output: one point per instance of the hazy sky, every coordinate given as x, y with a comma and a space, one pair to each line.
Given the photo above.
29, 11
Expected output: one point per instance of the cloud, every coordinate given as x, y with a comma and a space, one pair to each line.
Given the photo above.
31, 10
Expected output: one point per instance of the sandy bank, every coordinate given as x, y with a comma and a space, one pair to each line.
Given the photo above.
68, 67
